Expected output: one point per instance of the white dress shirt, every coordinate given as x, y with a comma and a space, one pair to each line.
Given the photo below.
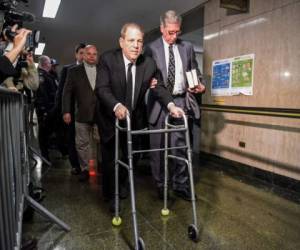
179, 85
133, 72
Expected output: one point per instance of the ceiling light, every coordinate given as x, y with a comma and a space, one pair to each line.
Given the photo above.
40, 49
50, 8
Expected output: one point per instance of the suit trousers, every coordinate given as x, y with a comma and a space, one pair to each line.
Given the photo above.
83, 143
108, 166
178, 171
70, 134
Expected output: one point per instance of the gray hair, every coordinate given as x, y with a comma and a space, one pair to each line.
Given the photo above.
43, 60
90, 46
170, 16
131, 25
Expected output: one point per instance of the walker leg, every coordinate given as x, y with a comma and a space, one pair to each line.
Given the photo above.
116, 221
165, 211
193, 231
139, 243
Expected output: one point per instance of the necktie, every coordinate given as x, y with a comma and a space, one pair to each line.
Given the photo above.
129, 96
171, 70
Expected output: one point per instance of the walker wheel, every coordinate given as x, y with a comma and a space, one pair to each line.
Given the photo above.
165, 212
193, 233
116, 221
141, 244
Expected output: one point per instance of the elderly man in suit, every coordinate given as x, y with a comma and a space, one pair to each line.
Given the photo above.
69, 129
123, 80
80, 85
173, 57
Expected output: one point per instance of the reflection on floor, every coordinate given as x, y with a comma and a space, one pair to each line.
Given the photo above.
233, 214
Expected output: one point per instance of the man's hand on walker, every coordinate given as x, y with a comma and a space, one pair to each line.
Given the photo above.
121, 112
175, 111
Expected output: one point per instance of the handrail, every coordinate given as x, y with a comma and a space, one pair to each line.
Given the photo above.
263, 111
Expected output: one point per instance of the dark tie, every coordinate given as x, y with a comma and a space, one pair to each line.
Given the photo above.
129, 87
171, 70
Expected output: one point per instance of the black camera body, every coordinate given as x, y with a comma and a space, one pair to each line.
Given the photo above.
31, 41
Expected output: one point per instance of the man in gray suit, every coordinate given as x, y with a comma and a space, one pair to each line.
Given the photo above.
174, 58
80, 85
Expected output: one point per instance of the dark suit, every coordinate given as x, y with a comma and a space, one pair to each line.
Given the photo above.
45, 109
111, 89
67, 131
157, 114
78, 86
61, 85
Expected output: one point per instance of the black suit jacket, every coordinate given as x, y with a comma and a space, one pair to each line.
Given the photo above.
78, 86
61, 85
111, 89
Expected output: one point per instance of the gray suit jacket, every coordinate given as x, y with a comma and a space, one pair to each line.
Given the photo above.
157, 52
77, 86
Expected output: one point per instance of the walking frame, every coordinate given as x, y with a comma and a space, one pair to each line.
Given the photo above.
193, 231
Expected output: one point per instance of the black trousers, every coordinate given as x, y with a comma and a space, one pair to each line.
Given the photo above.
46, 128
108, 166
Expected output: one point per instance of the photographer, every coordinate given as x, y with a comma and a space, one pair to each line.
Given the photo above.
8, 59
26, 78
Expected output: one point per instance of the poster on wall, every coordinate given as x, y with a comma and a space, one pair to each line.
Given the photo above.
220, 84
233, 76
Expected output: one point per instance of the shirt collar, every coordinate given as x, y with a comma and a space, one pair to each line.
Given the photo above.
166, 45
89, 65
126, 61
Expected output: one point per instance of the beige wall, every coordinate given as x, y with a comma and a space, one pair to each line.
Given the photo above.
271, 30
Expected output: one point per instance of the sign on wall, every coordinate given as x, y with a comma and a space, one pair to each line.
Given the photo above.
233, 76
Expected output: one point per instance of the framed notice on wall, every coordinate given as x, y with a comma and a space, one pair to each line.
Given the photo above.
233, 76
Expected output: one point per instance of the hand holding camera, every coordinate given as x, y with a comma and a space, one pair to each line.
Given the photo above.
18, 43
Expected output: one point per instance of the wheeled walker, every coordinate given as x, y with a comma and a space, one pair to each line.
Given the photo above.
193, 231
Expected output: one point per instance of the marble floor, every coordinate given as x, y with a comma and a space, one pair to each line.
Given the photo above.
233, 213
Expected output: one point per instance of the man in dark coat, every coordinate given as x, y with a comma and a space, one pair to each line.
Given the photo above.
80, 85
69, 129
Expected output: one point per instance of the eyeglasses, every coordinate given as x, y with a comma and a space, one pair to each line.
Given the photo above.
173, 33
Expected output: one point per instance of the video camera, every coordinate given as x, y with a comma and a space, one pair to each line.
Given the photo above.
10, 16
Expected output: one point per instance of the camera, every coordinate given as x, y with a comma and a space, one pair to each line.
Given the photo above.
11, 16
31, 41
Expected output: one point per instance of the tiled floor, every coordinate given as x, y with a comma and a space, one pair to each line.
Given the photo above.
232, 214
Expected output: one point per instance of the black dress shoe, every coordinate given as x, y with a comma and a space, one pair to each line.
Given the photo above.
84, 176
184, 194
30, 244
